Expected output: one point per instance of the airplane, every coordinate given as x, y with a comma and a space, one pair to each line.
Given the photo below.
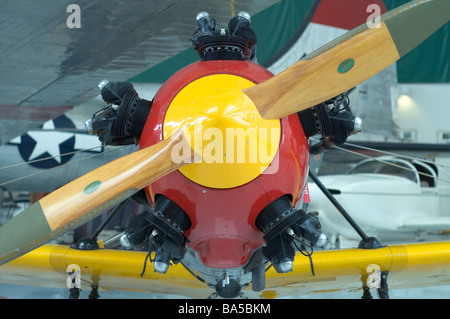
408, 200
226, 221
77, 160
63, 138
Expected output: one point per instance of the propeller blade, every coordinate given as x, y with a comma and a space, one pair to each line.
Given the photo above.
88, 196
349, 60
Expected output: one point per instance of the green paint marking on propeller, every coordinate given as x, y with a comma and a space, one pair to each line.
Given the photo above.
24, 232
92, 187
346, 66
412, 23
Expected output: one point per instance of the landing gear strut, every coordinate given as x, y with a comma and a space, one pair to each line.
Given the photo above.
365, 243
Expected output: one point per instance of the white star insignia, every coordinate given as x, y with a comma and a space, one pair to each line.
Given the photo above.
44, 144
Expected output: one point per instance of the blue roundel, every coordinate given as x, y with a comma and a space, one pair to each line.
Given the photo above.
45, 142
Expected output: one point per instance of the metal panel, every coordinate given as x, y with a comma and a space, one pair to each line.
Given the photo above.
43, 62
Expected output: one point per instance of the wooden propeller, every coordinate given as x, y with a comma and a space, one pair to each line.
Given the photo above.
86, 197
349, 60
323, 74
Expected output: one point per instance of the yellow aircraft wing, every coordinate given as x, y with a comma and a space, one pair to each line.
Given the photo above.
409, 265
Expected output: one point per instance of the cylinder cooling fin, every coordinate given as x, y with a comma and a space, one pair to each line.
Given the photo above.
122, 121
213, 41
162, 230
282, 224
332, 120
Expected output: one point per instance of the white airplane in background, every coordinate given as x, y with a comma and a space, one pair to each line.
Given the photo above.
391, 198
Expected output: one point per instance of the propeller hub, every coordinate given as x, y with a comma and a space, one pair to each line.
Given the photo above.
223, 125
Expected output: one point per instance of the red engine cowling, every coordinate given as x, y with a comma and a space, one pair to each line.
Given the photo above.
223, 230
